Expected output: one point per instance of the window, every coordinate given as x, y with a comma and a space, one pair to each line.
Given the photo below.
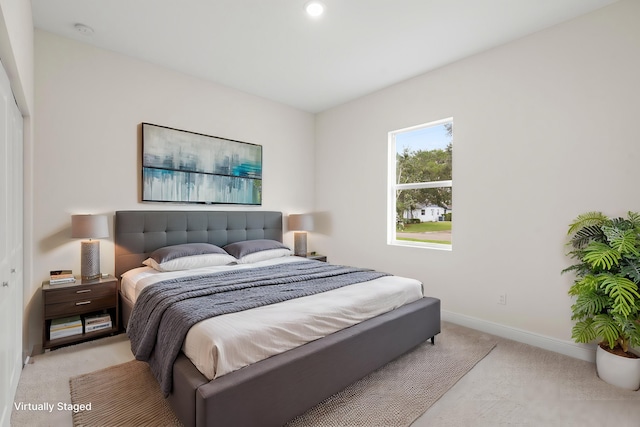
420, 185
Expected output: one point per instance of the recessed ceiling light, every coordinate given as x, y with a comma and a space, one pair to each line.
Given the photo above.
85, 30
314, 9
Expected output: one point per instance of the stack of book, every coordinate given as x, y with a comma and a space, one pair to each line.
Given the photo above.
97, 322
65, 327
58, 277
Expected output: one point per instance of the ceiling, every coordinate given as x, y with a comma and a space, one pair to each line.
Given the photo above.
272, 49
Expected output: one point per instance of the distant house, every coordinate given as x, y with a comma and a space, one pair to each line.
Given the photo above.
427, 213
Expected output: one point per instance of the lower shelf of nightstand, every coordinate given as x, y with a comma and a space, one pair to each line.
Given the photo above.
78, 338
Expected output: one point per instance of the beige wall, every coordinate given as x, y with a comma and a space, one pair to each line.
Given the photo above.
544, 128
16, 47
90, 103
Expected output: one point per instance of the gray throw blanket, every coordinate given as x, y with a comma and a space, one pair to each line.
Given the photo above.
164, 312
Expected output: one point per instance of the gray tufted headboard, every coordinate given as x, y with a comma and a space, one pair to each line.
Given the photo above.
138, 233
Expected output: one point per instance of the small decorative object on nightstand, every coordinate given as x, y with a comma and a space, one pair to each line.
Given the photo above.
317, 257
64, 304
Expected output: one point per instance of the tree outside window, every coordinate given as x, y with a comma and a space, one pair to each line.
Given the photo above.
420, 185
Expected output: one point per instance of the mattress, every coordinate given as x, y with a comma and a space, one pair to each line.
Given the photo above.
226, 343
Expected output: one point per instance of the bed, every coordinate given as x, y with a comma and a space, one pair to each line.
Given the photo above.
276, 389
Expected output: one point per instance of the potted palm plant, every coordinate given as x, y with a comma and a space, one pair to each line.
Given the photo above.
607, 304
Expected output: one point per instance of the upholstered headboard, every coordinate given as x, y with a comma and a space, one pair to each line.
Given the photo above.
138, 233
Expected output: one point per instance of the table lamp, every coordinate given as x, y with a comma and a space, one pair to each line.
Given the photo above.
300, 223
89, 227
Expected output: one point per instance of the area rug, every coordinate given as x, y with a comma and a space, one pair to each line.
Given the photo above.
120, 395
394, 395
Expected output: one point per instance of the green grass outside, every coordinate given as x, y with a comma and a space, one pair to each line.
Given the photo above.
427, 226
444, 242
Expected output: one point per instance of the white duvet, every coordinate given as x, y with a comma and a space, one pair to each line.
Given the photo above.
223, 344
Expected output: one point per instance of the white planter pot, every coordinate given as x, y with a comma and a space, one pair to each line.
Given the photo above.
617, 370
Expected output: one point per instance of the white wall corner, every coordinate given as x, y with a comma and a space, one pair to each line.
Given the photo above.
568, 348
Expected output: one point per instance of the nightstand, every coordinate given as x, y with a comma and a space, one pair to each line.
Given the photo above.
317, 257
81, 298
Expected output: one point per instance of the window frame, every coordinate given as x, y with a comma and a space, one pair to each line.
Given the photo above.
393, 187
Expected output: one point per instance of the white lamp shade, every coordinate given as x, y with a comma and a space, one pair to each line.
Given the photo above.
301, 222
89, 226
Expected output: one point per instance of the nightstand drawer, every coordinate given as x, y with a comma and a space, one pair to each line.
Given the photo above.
79, 306
79, 293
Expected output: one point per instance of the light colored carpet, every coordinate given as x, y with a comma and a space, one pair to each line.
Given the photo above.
121, 395
399, 392
514, 385
394, 395
525, 386
46, 378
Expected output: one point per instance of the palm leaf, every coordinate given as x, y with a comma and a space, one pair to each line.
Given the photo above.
623, 291
630, 330
624, 241
630, 268
576, 254
634, 219
608, 328
586, 220
586, 235
589, 304
633, 332
620, 223
584, 331
600, 256
589, 283
580, 270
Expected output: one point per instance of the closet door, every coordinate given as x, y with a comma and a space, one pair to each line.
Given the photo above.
11, 246
6, 334
16, 250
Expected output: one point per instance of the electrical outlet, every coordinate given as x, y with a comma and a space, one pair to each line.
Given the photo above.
502, 299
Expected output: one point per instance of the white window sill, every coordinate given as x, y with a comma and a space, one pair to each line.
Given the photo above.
422, 245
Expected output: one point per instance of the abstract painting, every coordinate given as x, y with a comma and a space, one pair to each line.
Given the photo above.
187, 167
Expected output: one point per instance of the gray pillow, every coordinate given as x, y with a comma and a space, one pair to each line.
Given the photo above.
246, 247
168, 253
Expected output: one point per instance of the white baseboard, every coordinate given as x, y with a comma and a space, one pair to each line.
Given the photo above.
568, 348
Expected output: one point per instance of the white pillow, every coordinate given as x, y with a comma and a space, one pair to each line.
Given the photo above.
264, 255
190, 262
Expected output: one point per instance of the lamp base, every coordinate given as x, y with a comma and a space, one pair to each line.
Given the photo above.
90, 260
300, 243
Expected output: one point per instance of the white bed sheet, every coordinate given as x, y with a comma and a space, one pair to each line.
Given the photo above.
223, 344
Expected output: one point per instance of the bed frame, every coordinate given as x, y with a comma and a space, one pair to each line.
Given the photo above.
275, 390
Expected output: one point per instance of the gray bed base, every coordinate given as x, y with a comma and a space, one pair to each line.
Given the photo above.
275, 390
